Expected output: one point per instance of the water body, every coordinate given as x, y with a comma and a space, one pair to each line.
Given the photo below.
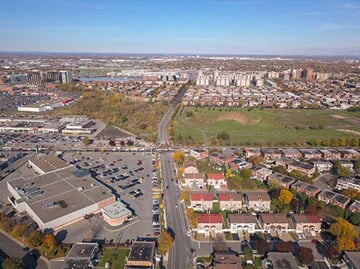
109, 79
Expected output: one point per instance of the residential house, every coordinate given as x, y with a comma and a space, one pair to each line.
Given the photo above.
190, 167
284, 161
282, 260
201, 201
227, 260
220, 158
231, 201
238, 164
209, 222
258, 201
347, 164
330, 154
349, 153
334, 198
217, 180
304, 223
271, 153
355, 207
242, 222
273, 223
322, 165
307, 169
348, 182
303, 187
250, 152
291, 153
194, 180
261, 173
310, 153
282, 180
199, 154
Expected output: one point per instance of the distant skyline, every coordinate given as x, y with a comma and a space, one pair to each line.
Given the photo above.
316, 27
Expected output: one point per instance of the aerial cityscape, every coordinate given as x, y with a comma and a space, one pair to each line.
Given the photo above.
189, 134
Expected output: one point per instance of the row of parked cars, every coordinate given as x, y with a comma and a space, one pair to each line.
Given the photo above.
156, 217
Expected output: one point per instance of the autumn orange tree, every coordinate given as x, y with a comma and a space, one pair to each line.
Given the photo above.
49, 242
345, 234
285, 196
35, 239
164, 242
178, 157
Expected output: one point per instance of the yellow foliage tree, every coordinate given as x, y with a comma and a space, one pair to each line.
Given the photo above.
343, 243
342, 228
192, 217
285, 196
49, 242
228, 173
185, 196
178, 156
164, 243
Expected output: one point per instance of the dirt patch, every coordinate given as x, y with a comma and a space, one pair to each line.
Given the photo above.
239, 117
348, 131
339, 117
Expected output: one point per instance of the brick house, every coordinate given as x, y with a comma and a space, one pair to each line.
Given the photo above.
283, 180
303, 187
207, 222
304, 223
271, 223
258, 201
262, 174
217, 180
199, 154
194, 180
305, 168
231, 201
201, 201
333, 198
242, 222
190, 167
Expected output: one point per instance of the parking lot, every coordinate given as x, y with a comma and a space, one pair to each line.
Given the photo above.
131, 176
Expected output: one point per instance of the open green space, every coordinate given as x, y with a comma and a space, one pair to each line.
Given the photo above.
116, 257
264, 127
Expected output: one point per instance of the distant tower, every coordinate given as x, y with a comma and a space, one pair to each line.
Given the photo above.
65, 76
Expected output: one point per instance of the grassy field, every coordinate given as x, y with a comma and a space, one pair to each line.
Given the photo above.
262, 127
115, 256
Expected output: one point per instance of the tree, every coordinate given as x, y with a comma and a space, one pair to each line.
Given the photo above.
164, 242
283, 246
343, 243
341, 170
357, 164
286, 196
12, 263
246, 173
178, 157
20, 230
296, 205
262, 246
297, 174
86, 141
280, 169
274, 193
305, 255
35, 239
310, 209
49, 242
227, 173
352, 193
342, 228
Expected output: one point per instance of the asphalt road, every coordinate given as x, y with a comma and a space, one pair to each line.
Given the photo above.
163, 138
180, 256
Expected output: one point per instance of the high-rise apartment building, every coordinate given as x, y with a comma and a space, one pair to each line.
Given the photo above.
65, 76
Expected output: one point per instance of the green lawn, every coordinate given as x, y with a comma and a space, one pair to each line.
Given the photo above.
116, 256
261, 127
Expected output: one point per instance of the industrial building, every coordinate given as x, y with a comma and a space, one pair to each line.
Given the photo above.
59, 198
116, 213
141, 255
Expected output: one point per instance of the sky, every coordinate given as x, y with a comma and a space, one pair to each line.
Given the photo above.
307, 27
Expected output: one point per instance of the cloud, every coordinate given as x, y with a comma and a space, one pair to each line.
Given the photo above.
352, 5
337, 26
313, 13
